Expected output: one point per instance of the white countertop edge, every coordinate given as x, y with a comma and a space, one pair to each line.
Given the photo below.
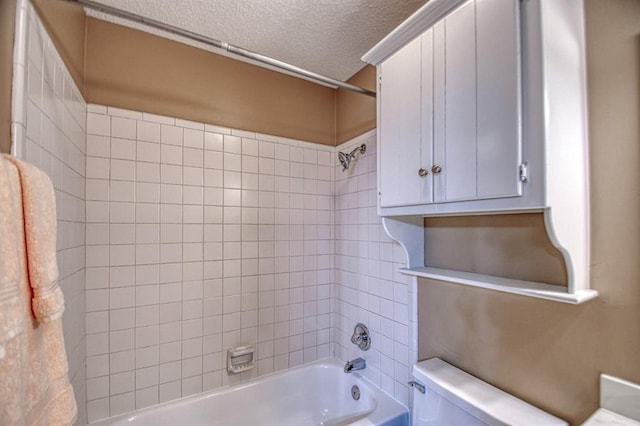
604, 417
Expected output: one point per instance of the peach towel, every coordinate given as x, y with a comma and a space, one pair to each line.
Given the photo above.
34, 373
11, 313
39, 205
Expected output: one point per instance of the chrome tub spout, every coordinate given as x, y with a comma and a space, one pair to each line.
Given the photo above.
355, 365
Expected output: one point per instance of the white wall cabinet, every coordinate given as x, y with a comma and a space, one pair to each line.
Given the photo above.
450, 108
482, 109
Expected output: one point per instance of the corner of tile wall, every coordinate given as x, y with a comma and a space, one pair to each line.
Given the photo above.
369, 288
48, 127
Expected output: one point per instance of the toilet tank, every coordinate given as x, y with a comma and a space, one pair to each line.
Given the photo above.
453, 397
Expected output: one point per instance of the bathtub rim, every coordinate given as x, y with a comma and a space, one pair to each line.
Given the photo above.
387, 403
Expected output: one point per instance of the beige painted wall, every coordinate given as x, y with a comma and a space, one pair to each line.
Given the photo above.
7, 24
355, 113
118, 66
511, 246
549, 353
139, 71
65, 22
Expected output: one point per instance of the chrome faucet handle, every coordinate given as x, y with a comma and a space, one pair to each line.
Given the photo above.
361, 337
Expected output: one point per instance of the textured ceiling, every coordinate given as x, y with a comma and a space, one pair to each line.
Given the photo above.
324, 36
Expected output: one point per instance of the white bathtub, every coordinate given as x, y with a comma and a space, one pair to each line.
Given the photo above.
314, 394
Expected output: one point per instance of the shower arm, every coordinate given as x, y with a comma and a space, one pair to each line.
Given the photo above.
235, 50
362, 148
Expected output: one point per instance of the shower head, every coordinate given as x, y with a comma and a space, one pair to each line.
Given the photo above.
345, 159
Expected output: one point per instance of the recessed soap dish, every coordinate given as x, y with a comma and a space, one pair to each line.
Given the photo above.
240, 359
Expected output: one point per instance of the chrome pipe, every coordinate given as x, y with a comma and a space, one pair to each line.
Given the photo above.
297, 70
234, 50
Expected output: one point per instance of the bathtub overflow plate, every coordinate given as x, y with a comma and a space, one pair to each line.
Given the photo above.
355, 392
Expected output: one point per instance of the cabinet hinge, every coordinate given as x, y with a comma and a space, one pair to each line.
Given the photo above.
380, 82
524, 172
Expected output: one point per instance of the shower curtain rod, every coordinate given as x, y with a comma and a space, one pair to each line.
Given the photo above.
235, 50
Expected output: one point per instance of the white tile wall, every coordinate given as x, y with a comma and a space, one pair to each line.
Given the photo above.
48, 126
252, 239
199, 239
368, 287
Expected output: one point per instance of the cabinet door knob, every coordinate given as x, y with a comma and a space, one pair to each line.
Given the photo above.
423, 172
436, 169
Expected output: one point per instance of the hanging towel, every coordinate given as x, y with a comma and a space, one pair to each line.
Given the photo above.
11, 313
39, 205
34, 373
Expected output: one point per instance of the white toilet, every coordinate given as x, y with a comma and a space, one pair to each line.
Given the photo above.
454, 398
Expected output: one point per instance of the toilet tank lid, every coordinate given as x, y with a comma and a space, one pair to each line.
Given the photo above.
479, 398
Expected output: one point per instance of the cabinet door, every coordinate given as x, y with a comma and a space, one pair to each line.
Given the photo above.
426, 115
499, 139
400, 130
455, 142
477, 102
